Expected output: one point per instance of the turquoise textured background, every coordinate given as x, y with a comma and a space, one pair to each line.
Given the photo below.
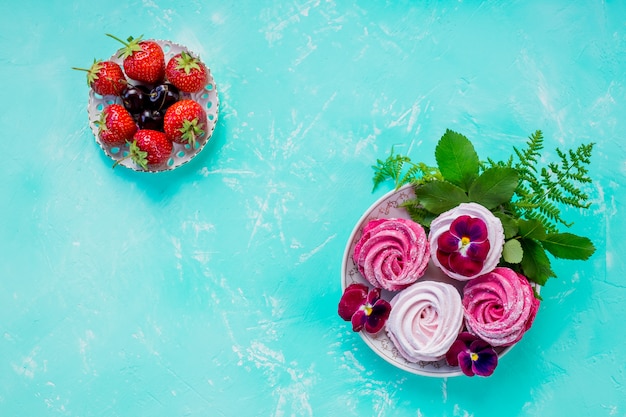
212, 290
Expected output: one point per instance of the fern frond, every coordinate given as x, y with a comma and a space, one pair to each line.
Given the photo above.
417, 212
393, 167
490, 163
541, 191
389, 169
529, 157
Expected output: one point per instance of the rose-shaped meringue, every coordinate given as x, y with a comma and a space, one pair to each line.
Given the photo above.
392, 253
499, 306
466, 241
425, 320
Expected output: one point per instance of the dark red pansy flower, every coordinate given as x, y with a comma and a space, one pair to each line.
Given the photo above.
464, 247
473, 355
364, 308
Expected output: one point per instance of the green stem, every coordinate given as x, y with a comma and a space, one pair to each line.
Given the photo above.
117, 39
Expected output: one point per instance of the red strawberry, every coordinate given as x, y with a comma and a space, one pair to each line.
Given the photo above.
186, 72
185, 122
143, 60
105, 78
150, 148
116, 125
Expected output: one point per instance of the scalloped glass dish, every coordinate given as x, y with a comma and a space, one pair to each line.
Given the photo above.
181, 154
388, 206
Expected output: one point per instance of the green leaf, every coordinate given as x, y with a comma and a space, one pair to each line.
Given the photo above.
457, 160
512, 251
535, 263
440, 196
494, 186
531, 228
568, 246
509, 224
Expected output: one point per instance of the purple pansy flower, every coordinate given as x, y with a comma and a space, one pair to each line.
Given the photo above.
464, 248
473, 355
364, 308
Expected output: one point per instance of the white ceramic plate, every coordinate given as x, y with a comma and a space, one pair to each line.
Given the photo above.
388, 207
181, 154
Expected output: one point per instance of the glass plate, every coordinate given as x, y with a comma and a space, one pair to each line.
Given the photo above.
181, 154
386, 207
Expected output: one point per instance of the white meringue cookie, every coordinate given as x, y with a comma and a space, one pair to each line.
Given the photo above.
425, 320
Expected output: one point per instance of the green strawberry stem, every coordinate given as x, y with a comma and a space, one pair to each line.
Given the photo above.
88, 74
135, 154
92, 73
191, 130
186, 62
131, 45
120, 160
101, 122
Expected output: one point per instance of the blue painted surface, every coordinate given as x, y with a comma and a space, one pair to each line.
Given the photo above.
212, 290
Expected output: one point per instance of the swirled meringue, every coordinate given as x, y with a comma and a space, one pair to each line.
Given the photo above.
425, 320
466, 241
392, 253
499, 307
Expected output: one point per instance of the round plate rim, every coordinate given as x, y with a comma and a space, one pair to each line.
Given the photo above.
92, 110
415, 368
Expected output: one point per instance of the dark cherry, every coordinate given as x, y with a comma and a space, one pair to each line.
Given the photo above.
135, 98
163, 96
151, 119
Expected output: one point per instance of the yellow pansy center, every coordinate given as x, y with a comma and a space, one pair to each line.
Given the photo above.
367, 308
474, 356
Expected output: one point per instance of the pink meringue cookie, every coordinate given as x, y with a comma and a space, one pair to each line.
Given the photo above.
499, 307
489, 252
425, 320
392, 253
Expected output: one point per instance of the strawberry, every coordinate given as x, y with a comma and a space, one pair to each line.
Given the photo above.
185, 122
143, 60
150, 148
105, 78
186, 72
116, 125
